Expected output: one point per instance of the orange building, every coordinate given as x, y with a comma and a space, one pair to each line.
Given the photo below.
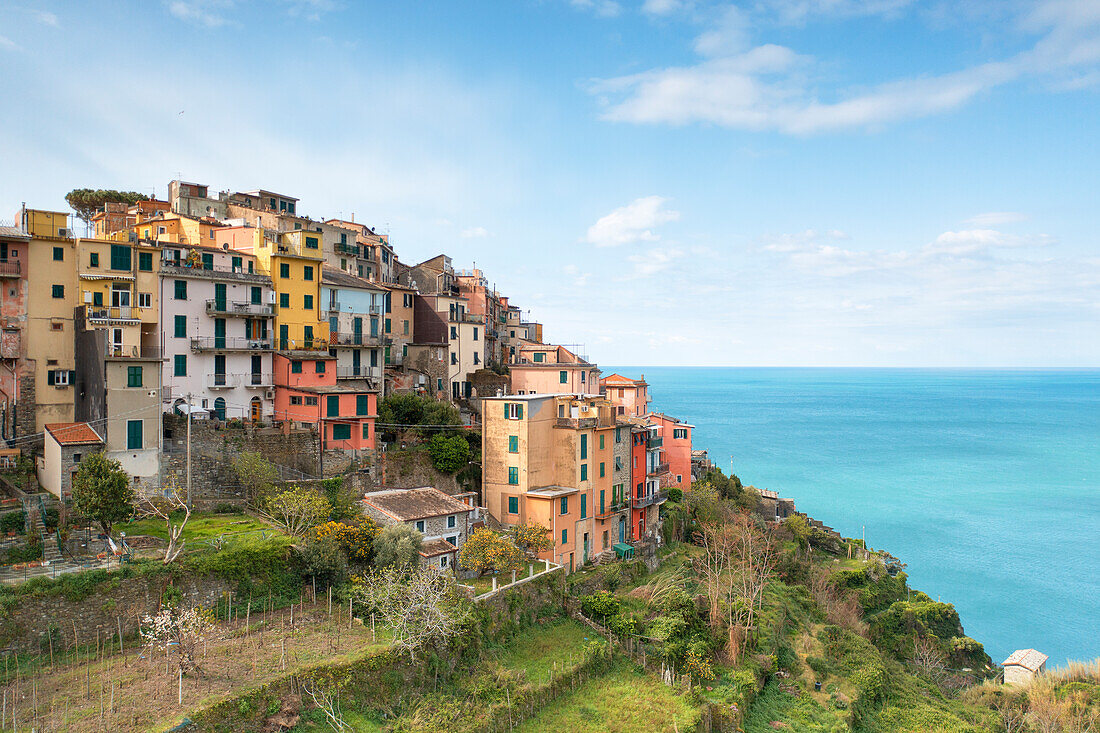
630, 396
546, 369
675, 437
306, 391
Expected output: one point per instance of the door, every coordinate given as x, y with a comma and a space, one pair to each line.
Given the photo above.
116, 341
284, 336
622, 529
585, 561
356, 362
257, 410
219, 370
219, 297
219, 333
257, 374
219, 408
357, 331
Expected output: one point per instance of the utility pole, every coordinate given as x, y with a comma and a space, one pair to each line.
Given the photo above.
190, 407
864, 528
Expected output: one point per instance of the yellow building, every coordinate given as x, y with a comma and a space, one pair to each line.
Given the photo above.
118, 287
52, 296
293, 261
175, 228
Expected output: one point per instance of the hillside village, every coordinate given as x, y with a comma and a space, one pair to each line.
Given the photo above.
260, 474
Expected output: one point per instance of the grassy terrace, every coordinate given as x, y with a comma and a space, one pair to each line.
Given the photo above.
199, 527
622, 701
556, 646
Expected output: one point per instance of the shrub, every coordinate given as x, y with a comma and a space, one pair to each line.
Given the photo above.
623, 625
12, 522
449, 453
819, 666
871, 682
675, 494
355, 539
397, 544
601, 605
325, 560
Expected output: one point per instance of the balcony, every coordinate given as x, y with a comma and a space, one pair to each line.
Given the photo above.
223, 343
467, 318
656, 497
10, 268
315, 344
257, 381
346, 249
612, 510
120, 314
222, 381
334, 306
239, 308
356, 339
576, 423
172, 266
118, 351
652, 443
658, 469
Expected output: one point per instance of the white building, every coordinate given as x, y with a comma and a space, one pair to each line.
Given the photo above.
355, 324
216, 327
1023, 665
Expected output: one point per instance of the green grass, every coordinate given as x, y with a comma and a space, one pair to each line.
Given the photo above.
539, 648
800, 713
622, 701
199, 527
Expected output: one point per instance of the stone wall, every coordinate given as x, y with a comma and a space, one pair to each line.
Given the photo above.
118, 601
410, 469
25, 407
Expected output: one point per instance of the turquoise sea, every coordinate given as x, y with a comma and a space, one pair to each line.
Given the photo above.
986, 482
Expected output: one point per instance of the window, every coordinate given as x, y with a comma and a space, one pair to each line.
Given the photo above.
454, 358
564, 536
513, 411
295, 367
584, 506
343, 263
236, 263
584, 447
601, 469
58, 291
307, 334
452, 521
284, 270
513, 505
60, 377
564, 505
601, 441
319, 367
513, 475
295, 399
133, 376
679, 478
443, 560
513, 444
145, 300
362, 404
59, 254
341, 431
477, 359
582, 377
307, 302
601, 499
311, 401
453, 539
475, 333
563, 377
333, 405
307, 272
93, 259
145, 261
180, 287
540, 356
454, 333
388, 326
180, 364
311, 242
134, 434
679, 433
366, 431
284, 300
256, 295
405, 328
420, 526
584, 472
120, 257
618, 435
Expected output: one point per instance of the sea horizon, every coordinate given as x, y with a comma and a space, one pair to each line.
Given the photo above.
984, 481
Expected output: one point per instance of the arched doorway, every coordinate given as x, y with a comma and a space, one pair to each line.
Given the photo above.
219, 408
256, 409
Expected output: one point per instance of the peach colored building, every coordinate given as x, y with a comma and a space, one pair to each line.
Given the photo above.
630, 396
675, 436
306, 392
547, 369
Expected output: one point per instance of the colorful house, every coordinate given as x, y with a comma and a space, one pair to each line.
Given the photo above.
307, 392
630, 396
675, 437
547, 369
14, 287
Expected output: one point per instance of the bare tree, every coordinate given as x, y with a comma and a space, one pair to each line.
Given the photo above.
327, 701
420, 605
928, 660
1045, 711
753, 556
172, 629
163, 507
714, 565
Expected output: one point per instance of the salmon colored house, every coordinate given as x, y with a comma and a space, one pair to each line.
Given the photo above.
307, 391
676, 449
630, 396
545, 369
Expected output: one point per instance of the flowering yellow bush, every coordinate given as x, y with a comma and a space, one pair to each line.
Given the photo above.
356, 540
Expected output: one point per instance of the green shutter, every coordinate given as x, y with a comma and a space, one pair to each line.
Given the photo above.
601, 499
513, 444
134, 437
519, 412
181, 327
145, 261
50, 378
584, 506
584, 447
362, 404
507, 412
181, 365
120, 257
333, 402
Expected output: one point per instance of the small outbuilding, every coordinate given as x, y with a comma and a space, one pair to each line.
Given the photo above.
66, 443
443, 520
1023, 665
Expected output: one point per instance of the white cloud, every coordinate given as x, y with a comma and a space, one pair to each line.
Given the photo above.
45, 17
474, 232
797, 11
8, 44
209, 13
631, 223
974, 242
602, 8
767, 87
996, 218
661, 7
652, 262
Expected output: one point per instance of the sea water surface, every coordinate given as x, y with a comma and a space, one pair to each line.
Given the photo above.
986, 482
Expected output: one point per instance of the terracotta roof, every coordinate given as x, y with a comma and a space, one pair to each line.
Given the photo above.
13, 233
625, 381
434, 548
1027, 658
73, 433
405, 505
330, 276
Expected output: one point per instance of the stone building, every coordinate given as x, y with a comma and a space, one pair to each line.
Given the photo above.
444, 521
66, 444
1023, 665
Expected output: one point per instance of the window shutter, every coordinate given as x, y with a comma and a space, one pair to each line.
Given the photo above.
50, 377
72, 377
507, 414
519, 412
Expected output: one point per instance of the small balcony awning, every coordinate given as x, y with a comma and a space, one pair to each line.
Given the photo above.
623, 550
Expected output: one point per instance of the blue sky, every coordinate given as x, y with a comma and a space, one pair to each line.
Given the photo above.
777, 182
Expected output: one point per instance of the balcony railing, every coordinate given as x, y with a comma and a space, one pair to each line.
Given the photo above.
655, 497
132, 352
10, 268
257, 381
612, 510
355, 339
363, 372
577, 423
347, 249
658, 469
222, 381
239, 308
119, 313
234, 343
334, 306
652, 443
315, 344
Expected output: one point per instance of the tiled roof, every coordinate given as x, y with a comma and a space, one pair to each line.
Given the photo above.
1027, 658
406, 505
433, 548
625, 381
331, 276
13, 233
73, 433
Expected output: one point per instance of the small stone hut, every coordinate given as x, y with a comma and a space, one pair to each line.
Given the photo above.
1024, 665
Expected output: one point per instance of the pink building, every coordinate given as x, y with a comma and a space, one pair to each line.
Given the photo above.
676, 448
13, 322
306, 391
630, 396
546, 369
